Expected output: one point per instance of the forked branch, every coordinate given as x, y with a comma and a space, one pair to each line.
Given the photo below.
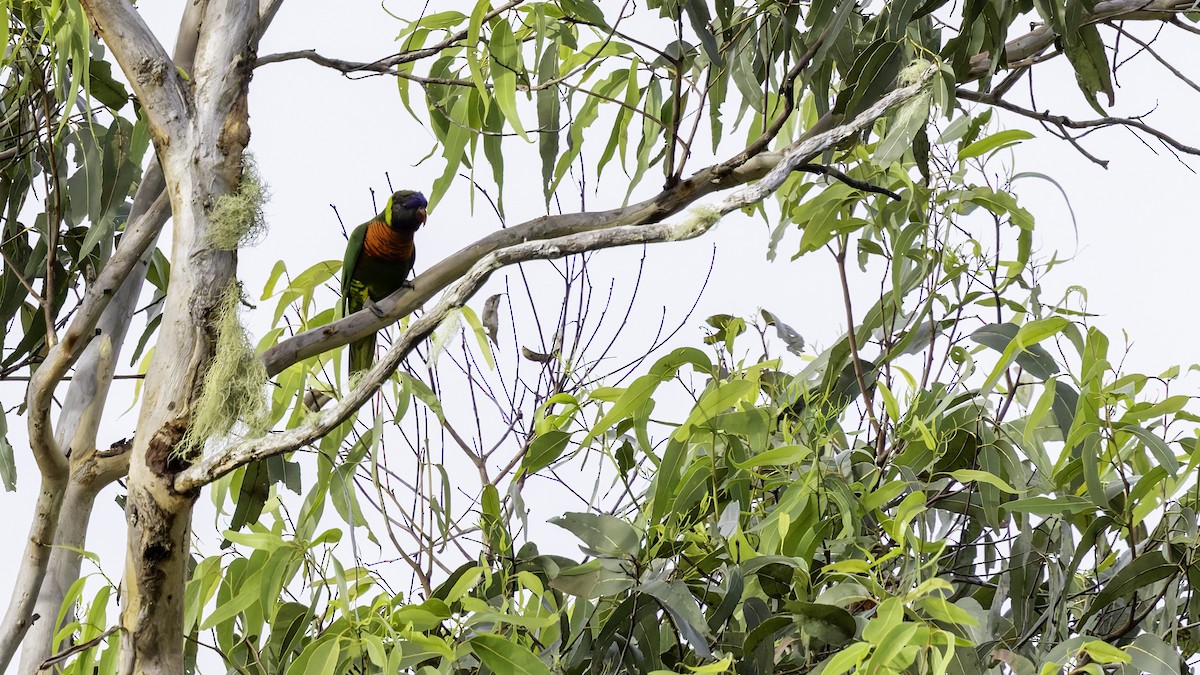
1067, 122
592, 236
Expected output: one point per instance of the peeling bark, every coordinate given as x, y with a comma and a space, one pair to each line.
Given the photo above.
159, 533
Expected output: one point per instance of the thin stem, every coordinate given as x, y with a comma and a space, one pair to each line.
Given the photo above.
867, 394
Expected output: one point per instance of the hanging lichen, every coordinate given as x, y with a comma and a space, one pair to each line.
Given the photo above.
233, 387
237, 218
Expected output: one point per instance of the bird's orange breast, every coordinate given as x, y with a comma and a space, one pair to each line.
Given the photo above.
383, 242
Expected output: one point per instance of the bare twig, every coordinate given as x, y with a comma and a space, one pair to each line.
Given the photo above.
75, 649
855, 358
1157, 57
1067, 122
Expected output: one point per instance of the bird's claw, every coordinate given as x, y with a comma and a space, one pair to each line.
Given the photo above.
407, 283
370, 304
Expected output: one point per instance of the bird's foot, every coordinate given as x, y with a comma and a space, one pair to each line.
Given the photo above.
407, 283
370, 304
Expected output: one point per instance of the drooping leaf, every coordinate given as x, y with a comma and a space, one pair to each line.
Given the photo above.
601, 534
8, 465
996, 141
506, 66
1093, 74
502, 655
1144, 570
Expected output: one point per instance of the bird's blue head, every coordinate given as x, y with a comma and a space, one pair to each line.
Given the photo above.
406, 210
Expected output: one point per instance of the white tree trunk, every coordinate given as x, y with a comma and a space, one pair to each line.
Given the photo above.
200, 130
79, 419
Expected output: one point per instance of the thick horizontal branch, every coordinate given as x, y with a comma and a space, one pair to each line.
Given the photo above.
737, 171
591, 238
348, 67
670, 201
239, 454
401, 304
1032, 43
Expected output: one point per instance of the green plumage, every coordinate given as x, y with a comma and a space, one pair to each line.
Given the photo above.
379, 257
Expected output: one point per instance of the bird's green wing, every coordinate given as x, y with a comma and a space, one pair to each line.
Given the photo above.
353, 291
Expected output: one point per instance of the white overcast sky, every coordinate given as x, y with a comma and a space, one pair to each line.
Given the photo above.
320, 138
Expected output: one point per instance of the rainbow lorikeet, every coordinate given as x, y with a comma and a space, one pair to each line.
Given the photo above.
379, 257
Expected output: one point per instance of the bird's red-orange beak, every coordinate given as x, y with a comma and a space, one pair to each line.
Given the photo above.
421, 212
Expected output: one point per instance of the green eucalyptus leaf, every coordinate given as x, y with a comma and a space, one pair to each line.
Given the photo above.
601, 534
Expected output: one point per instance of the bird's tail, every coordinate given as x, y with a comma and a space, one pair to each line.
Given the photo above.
362, 354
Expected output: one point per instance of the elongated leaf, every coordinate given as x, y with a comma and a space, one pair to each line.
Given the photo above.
870, 77
506, 65
602, 577
602, 534
586, 10
8, 464
474, 35
1146, 569
1087, 55
245, 597
459, 132
545, 450
320, 656
996, 141
1026, 337
633, 398
847, 659
681, 605
716, 401
975, 476
1038, 413
1158, 447
698, 16
1049, 506
902, 130
505, 656
830, 624
781, 456
1150, 654
548, 107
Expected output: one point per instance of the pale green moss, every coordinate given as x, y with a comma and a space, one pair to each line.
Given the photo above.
237, 218
698, 219
912, 72
233, 387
